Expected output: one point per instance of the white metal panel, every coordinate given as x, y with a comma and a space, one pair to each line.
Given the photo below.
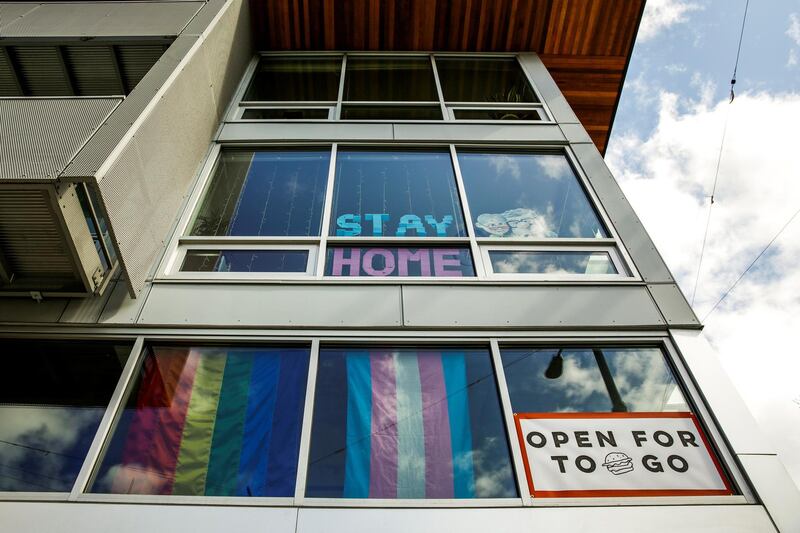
19, 310
673, 305
273, 305
529, 307
299, 131
734, 418
10, 12
775, 488
668, 519
505, 132
120, 518
103, 19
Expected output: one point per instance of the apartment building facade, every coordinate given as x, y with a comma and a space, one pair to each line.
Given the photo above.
339, 266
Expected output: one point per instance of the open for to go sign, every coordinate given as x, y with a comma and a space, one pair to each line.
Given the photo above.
617, 454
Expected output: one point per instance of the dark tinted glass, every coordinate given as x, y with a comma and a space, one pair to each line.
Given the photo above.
381, 261
590, 380
396, 193
352, 112
408, 423
52, 398
245, 261
270, 193
386, 79
483, 80
566, 262
497, 114
256, 113
210, 421
295, 79
526, 195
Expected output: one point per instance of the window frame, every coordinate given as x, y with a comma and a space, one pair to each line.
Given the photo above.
168, 269
611, 250
240, 105
466, 338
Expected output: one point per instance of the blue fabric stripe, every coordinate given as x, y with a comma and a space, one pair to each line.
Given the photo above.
455, 379
285, 443
252, 479
359, 423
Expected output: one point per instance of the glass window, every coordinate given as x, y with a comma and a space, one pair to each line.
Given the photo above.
497, 114
245, 261
403, 193
389, 79
591, 380
526, 195
408, 423
285, 79
547, 262
381, 261
265, 193
270, 113
52, 398
483, 80
213, 421
360, 112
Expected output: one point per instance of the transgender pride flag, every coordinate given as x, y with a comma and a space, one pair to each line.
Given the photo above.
408, 426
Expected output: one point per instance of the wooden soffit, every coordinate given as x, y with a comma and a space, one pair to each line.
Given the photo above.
586, 44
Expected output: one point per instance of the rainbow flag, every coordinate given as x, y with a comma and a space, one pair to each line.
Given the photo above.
408, 426
216, 422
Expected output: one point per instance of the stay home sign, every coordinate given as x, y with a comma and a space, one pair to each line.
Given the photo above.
572, 455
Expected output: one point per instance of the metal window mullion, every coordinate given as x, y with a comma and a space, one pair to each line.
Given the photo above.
338, 112
305, 432
480, 270
108, 422
439, 92
326, 214
508, 419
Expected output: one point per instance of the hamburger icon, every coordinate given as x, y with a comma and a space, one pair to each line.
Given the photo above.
618, 463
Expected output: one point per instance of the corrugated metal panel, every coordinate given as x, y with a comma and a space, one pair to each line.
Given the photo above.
137, 60
9, 85
104, 19
43, 71
29, 235
40, 136
94, 70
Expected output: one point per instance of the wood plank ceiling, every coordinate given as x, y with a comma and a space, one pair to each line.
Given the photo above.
585, 44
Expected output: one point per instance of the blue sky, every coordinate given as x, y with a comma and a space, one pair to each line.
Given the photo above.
663, 151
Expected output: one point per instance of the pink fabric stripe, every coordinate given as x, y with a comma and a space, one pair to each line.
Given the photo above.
436, 423
383, 449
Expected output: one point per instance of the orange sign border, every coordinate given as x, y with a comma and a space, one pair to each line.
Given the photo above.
619, 492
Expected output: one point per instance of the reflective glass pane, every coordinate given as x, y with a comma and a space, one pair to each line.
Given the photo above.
497, 114
267, 193
590, 380
308, 79
264, 113
517, 194
358, 112
408, 423
52, 398
563, 262
245, 261
210, 421
483, 80
404, 193
389, 79
382, 261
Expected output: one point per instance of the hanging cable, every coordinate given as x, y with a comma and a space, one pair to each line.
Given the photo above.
719, 155
746, 270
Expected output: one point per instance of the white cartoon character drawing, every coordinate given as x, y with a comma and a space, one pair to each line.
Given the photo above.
493, 224
527, 223
618, 463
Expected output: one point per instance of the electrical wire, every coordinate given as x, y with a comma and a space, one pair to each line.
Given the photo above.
746, 270
719, 155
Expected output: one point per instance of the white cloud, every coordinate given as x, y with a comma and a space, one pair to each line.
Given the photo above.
793, 32
660, 15
667, 178
793, 59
